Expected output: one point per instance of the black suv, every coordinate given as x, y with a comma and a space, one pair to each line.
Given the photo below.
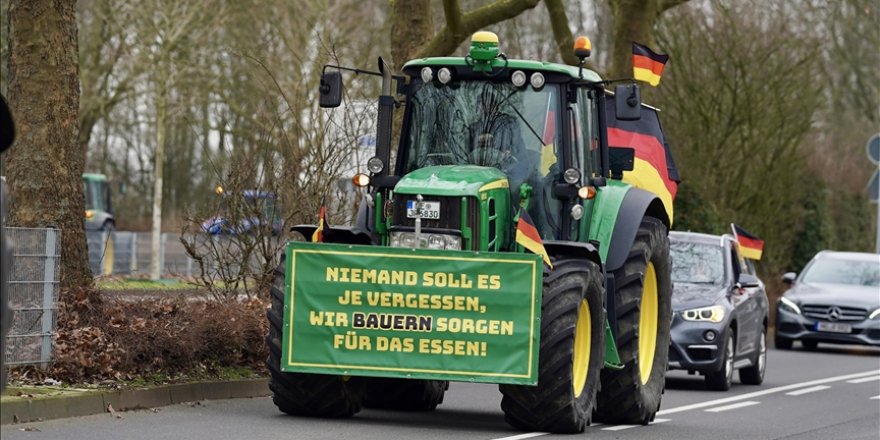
720, 310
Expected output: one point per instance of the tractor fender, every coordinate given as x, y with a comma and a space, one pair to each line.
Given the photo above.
573, 249
336, 234
636, 205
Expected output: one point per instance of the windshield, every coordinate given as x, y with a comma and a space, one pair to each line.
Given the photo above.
696, 263
92, 191
482, 123
834, 271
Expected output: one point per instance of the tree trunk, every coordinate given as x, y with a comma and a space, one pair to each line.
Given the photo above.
161, 113
634, 20
45, 167
411, 28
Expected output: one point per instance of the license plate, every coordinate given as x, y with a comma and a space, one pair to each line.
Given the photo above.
430, 210
833, 327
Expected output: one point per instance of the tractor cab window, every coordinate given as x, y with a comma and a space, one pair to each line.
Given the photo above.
489, 124
588, 145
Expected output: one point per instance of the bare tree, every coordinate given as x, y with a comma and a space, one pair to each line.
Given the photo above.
45, 167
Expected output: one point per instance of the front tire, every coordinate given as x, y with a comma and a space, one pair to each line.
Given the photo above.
571, 353
782, 343
305, 394
643, 308
754, 375
722, 379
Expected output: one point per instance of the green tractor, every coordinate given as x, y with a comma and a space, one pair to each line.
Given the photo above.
504, 245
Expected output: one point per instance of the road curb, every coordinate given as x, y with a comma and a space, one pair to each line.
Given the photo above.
90, 403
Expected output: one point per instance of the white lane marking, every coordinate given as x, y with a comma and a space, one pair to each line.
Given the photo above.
522, 436
734, 406
875, 398
619, 427
622, 427
764, 392
728, 399
864, 379
808, 390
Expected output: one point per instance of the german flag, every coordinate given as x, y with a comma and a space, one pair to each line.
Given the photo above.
750, 246
318, 235
654, 168
647, 65
527, 236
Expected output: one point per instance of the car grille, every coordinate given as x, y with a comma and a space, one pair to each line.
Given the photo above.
828, 312
450, 214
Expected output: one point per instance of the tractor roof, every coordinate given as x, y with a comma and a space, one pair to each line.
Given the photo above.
532, 65
94, 176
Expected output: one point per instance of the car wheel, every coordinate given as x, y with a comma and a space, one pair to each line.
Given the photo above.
754, 375
810, 345
721, 380
782, 343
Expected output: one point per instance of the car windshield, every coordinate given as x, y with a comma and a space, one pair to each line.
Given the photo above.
841, 271
696, 263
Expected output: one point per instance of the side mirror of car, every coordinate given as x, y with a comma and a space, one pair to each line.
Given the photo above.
789, 277
747, 281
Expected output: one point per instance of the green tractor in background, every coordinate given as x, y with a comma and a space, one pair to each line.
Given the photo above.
99, 205
429, 285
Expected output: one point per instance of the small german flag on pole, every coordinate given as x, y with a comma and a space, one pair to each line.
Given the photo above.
647, 65
528, 237
750, 246
318, 235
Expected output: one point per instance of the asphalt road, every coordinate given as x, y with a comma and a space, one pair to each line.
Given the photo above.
830, 393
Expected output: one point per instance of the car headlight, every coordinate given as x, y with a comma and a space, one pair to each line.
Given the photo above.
710, 314
789, 305
875, 314
426, 240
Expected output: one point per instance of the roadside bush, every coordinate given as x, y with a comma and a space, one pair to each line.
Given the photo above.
103, 338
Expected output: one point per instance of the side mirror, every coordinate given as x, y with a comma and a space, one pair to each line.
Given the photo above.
789, 277
628, 102
331, 89
747, 281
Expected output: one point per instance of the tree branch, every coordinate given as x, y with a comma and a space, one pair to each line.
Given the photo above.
561, 31
448, 39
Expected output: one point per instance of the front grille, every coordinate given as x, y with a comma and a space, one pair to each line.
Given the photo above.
450, 214
834, 313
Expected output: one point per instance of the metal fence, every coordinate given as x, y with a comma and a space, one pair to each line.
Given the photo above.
129, 253
33, 291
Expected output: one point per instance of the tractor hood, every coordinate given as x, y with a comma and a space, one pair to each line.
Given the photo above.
452, 180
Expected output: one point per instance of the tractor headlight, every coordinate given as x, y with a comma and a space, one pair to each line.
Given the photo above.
710, 314
789, 305
426, 241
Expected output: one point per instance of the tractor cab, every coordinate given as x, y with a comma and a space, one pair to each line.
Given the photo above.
99, 206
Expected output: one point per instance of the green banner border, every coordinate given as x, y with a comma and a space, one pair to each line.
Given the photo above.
536, 266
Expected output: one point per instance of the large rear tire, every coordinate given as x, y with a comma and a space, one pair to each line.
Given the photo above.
301, 393
643, 309
404, 394
571, 353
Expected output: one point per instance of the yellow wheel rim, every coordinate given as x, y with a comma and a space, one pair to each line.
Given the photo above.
582, 336
648, 324
107, 261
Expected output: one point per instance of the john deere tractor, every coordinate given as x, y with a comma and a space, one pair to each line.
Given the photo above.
502, 245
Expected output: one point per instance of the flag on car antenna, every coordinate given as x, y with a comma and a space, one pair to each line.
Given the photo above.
647, 65
318, 235
527, 236
750, 246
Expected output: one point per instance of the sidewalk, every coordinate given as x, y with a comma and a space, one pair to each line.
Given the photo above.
29, 404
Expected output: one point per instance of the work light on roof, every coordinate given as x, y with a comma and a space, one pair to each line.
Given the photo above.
427, 74
518, 78
537, 80
444, 75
